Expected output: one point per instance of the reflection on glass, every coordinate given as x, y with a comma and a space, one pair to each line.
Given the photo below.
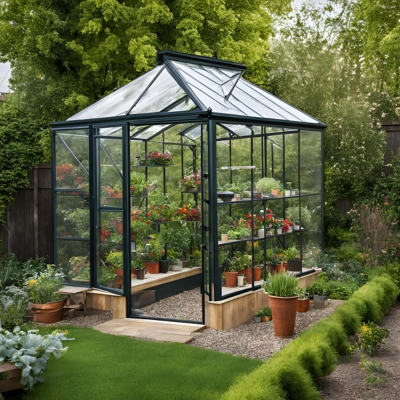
310, 161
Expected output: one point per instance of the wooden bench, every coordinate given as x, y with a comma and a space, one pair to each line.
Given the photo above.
76, 298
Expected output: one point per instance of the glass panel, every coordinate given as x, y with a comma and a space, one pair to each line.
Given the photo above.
161, 94
73, 258
291, 163
110, 179
72, 217
112, 131
310, 218
240, 130
275, 157
120, 101
274, 103
109, 250
310, 162
72, 159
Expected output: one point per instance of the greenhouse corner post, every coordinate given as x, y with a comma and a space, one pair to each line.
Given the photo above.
93, 208
212, 198
53, 194
125, 216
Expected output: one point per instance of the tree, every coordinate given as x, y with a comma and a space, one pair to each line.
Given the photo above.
67, 54
311, 68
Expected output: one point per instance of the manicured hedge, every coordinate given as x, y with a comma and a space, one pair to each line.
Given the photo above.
293, 372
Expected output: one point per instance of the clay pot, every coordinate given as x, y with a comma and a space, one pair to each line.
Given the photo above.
303, 305
231, 278
48, 313
284, 310
152, 267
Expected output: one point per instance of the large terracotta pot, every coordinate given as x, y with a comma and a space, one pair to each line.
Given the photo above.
152, 267
231, 278
281, 267
284, 310
48, 313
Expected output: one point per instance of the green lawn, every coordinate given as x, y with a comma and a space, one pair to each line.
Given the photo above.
100, 366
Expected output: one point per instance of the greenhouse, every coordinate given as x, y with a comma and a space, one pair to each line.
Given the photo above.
189, 179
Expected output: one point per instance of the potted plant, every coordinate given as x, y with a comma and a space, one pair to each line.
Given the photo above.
303, 304
268, 185
176, 236
266, 314
191, 182
271, 259
292, 254
115, 259
257, 316
282, 291
46, 304
156, 158
137, 265
236, 264
151, 254
139, 186
80, 268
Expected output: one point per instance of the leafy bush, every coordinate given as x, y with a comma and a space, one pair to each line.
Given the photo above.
13, 305
289, 373
30, 352
334, 289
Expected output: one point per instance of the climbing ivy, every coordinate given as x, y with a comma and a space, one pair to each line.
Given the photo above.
19, 150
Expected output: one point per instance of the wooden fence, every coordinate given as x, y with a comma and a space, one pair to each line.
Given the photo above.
28, 229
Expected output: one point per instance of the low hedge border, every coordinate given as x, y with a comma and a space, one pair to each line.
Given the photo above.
293, 372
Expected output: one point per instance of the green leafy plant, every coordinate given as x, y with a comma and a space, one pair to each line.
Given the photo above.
30, 352
291, 253
137, 263
281, 285
268, 184
266, 312
13, 305
115, 258
41, 289
152, 251
375, 371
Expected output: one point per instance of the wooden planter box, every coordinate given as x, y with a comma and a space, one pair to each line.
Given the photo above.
11, 382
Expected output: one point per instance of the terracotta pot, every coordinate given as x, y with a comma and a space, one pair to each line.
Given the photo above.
152, 267
118, 226
284, 310
120, 273
48, 313
231, 278
164, 266
13, 377
281, 267
116, 195
303, 305
265, 318
140, 273
133, 237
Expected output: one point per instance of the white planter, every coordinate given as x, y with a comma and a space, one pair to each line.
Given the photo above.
176, 267
240, 279
290, 229
261, 233
278, 231
224, 237
287, 193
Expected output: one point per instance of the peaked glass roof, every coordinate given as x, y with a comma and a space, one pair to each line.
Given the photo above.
184, 82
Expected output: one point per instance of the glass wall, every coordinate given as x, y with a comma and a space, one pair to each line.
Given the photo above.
72, 211
268, 204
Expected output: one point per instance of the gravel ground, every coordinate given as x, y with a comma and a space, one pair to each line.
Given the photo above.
346, 382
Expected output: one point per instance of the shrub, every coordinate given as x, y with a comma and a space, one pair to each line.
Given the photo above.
370, 336
289, 374
13, 306
335, 290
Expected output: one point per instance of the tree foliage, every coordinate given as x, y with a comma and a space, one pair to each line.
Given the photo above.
67, 54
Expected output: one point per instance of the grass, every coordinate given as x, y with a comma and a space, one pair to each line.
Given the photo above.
101, 366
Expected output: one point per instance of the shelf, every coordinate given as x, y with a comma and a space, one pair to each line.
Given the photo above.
152, 166
265, 198
237, 167
256, 238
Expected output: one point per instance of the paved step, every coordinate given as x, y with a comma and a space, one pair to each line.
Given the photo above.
163, 331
